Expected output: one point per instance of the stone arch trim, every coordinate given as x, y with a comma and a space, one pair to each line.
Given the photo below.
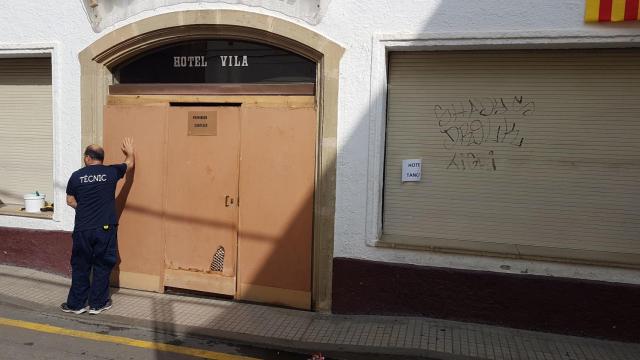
123, 51
135, 38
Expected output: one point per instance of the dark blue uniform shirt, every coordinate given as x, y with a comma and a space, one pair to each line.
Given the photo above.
94, 188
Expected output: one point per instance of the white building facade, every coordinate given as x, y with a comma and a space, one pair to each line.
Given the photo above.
523, 119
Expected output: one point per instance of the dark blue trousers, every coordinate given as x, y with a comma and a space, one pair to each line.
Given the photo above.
94, 251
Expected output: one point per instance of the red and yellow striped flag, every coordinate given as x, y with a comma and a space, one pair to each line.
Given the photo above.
612, 10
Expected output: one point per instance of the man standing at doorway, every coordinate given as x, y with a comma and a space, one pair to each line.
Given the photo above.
91, 191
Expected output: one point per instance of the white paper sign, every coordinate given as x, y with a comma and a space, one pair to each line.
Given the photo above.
411, 170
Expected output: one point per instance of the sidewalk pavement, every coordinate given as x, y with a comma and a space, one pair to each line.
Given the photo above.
305, 331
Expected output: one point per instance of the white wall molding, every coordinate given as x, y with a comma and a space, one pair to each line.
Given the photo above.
26, 50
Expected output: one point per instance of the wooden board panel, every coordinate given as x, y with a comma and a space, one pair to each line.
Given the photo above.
140, 195
276, 206
201, 194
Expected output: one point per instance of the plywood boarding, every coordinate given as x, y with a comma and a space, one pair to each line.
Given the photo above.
276, 205
246, 101
522, 151
26, 139
201, 216
140, 196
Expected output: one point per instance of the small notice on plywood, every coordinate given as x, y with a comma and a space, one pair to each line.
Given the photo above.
203, 123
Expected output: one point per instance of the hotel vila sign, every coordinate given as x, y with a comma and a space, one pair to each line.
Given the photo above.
217, 61
201, 61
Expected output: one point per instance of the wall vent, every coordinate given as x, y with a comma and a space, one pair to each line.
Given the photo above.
217, 263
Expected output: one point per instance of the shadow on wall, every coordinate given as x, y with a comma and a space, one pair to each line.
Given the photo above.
121, 201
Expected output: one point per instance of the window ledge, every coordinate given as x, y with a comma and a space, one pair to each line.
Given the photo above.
17, 210
516, 251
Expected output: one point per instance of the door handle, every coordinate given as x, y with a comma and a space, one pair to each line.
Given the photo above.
228, 201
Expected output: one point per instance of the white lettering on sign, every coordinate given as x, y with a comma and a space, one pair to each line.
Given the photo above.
189, 61
411, 170
234, 60
93, 178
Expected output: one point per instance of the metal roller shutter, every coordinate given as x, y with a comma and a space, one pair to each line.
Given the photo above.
525, 153
26, 134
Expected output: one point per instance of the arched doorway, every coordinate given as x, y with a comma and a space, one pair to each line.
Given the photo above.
100, 60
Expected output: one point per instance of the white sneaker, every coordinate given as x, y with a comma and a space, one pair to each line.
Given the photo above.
64, 307
106, 307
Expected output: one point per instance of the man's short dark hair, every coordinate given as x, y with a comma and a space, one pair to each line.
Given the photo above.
94, 153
